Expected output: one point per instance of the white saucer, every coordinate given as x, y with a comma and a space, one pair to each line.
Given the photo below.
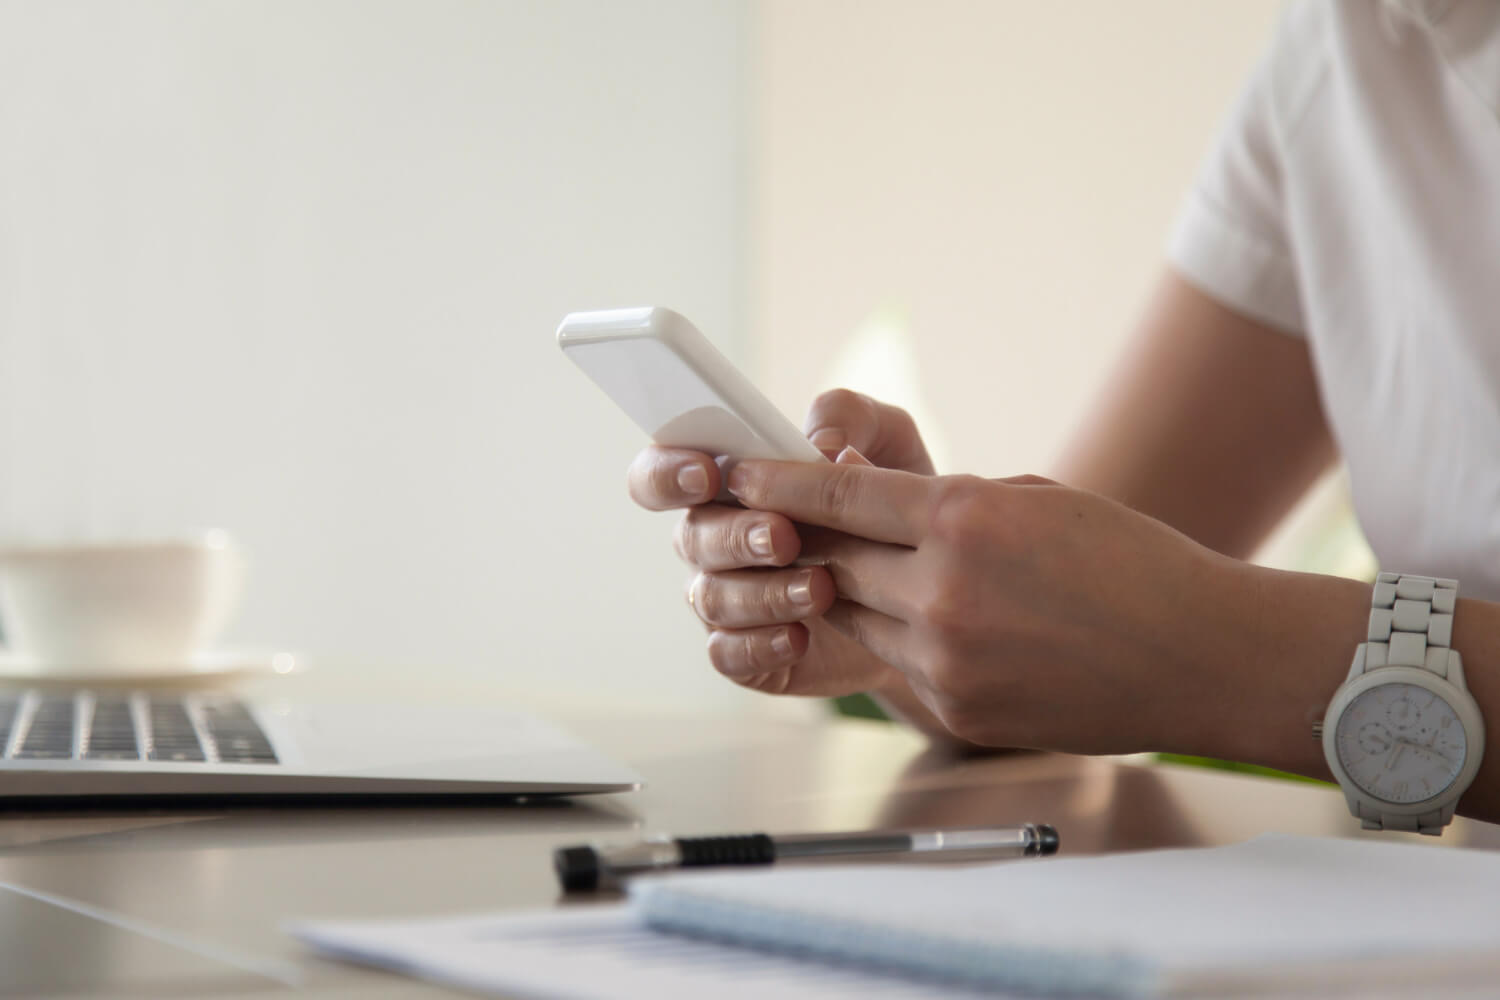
209, 663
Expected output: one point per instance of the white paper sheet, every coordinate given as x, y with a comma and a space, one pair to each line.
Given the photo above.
1274, 915
1277, 898
595, 953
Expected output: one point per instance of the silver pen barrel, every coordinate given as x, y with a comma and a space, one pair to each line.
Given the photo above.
589, 867
1027, 839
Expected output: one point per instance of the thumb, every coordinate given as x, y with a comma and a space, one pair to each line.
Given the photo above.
885, 433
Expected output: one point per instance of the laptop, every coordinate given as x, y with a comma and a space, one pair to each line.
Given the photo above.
59, 744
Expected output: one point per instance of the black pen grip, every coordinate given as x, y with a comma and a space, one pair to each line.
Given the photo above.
749, 849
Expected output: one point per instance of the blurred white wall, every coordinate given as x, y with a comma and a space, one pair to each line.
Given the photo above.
996, 176
293, 268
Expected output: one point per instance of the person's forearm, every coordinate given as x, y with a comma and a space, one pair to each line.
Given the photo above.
1210, 423
1476, 636
1284, 644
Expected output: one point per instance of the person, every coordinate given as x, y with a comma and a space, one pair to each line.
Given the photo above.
1329, 293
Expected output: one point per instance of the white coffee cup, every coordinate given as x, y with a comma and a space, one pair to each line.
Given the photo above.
129, 607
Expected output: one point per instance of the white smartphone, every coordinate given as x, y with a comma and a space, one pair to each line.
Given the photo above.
677, 386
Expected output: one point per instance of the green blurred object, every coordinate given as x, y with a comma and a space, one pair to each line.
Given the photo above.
859, 706
1229, 765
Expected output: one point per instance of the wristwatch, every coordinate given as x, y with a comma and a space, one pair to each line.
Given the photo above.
1403, 736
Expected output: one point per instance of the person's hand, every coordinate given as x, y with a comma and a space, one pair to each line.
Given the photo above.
1022, 612
762, 605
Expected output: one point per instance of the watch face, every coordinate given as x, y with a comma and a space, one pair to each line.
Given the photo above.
1401, 743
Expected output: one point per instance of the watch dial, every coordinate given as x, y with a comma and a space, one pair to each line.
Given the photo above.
1401, 743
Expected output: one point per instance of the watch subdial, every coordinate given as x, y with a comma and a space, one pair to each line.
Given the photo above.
1375, 738
1403, 715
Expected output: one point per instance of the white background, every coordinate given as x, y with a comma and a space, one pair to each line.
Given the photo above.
293, 269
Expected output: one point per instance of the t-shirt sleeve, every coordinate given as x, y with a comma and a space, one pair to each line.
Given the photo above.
1230, 238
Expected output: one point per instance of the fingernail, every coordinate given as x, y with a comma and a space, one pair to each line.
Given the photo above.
692, 480
851, 456
760, 540
801, 591
781, 643
738, 480
829, 440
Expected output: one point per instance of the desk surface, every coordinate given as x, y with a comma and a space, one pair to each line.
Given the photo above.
226, 878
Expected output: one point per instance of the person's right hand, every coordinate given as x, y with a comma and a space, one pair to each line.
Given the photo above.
763, 610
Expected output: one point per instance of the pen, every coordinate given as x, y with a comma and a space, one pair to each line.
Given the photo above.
587, 867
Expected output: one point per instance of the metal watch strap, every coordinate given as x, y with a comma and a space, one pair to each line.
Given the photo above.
1411, 624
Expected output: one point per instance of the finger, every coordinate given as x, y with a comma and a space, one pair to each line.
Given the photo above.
756, 657
775, 682
885, 433
884, 505
665, 478
715, 537
839, 417
873, 574
888, 638
752, 598
826, 664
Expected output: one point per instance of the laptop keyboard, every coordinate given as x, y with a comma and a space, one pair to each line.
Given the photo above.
88, 725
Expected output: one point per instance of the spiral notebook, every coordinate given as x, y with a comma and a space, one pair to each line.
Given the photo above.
1278, 915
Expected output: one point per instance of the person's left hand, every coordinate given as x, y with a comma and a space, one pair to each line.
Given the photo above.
1022, 612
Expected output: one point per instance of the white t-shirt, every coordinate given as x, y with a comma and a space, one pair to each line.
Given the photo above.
1353, 198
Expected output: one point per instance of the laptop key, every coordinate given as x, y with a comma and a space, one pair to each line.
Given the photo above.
178, 756
173, 738
8, 708
50, 735
112, 732
236, 734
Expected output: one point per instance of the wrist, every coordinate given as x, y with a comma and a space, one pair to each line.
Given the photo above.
1476, 636
1284, 641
